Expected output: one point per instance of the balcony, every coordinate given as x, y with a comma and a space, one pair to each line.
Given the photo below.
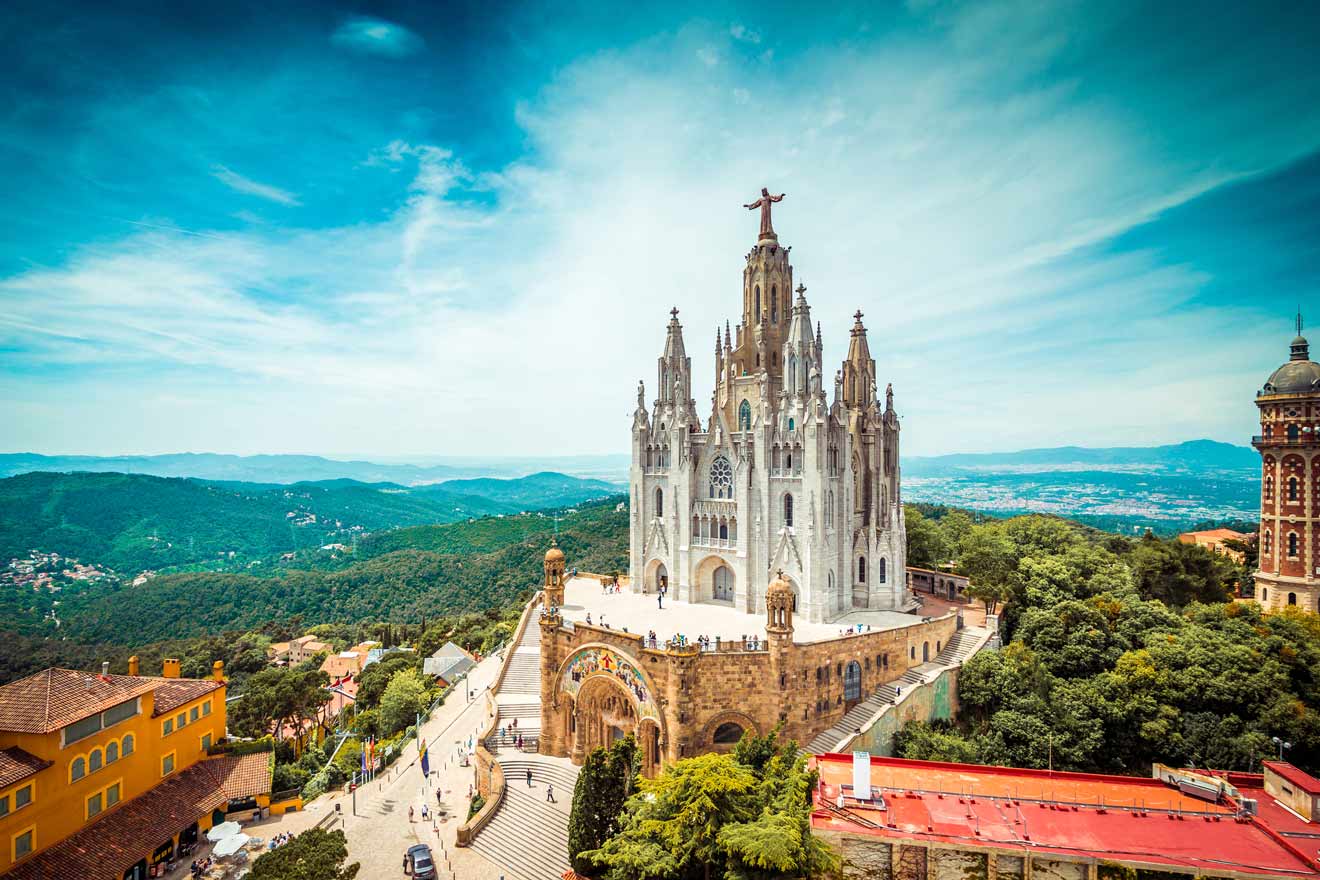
1260, 441
715, 543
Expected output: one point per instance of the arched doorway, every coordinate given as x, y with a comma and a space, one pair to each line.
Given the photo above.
722, 584
661, 582
852, 684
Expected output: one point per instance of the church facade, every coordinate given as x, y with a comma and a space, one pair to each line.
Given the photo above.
775, 475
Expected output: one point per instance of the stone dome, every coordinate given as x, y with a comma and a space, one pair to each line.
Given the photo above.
1298, 376
779, 586
554, 554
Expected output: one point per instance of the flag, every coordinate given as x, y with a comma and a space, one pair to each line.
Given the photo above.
426, 765
363, 756
371, 753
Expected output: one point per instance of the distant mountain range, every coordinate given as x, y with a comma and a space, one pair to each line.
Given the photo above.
285, 469
1193, 456
1125, 489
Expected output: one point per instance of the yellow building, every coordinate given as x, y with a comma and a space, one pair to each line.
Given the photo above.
102, 776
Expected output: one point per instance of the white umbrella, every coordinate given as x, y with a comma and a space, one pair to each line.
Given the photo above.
230, 845
223, 830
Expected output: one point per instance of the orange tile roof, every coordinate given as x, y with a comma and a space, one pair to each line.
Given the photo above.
172, 693
55, 698
112, 844
17, 765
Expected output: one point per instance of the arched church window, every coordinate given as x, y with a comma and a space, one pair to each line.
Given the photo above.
659, 502
788, 462
829, 511
880, 572
790, 425
861, 569
1292, 598
852, 682
792, 373
744, 416
1269, 536
788, 510
721, 478
1292, 488
727, 733
1292, 543
757, 316
774, 358
774, 305
724, 530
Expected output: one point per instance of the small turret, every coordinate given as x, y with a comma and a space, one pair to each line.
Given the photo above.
779, 607
554, 576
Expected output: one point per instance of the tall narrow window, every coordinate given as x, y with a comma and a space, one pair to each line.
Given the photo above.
757, 316
744, 416
1292, 488
788, 510
1292, 543
861, 569
881, 571
774, 305
659, 502
1292, 432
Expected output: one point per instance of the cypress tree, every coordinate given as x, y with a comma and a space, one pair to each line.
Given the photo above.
584, 821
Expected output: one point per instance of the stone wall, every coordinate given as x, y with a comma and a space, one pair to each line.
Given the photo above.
801, 685
933, 701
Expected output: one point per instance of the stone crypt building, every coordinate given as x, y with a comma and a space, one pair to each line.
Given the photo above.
775, 476
1289, 445
767, 551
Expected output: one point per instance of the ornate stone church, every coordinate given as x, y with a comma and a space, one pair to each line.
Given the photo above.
776, 475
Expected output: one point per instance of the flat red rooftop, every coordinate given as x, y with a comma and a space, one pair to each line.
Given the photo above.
1118, 818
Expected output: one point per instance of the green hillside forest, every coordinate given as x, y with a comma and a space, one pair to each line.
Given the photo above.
133, 522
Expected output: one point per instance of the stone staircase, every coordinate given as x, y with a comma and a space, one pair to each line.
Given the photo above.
964, 643
528, 838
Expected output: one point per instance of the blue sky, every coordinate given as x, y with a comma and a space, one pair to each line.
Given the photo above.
416, 229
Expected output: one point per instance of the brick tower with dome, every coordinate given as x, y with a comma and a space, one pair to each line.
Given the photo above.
1289, 446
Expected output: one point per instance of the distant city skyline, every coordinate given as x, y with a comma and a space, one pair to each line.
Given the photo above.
458, 230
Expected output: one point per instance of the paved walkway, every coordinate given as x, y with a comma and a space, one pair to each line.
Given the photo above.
640, 613
376, 821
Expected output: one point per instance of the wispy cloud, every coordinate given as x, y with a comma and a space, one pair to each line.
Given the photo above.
239, 183
744, 34
375, 36
973, 207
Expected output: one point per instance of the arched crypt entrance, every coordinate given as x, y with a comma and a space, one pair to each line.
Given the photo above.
604, 697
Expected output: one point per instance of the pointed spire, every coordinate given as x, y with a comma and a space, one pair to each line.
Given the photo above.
728, 343
674, 338
818, 343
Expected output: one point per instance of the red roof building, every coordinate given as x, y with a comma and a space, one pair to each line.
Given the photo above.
927, 820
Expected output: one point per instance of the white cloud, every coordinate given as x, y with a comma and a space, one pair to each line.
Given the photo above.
744, 34
239, 183
952, 210
375, 36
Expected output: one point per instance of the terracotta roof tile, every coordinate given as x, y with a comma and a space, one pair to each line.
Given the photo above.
55, 698
171, 693
112, 844
17, 765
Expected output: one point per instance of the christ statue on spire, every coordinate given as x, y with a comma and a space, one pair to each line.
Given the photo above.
764, 203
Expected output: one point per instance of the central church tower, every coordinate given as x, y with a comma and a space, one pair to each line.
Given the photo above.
777, 478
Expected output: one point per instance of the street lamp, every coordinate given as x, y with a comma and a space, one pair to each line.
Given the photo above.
1282, 745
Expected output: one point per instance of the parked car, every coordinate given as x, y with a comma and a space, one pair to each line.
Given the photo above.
420, 864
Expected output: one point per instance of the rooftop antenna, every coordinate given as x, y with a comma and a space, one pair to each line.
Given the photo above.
1299, 319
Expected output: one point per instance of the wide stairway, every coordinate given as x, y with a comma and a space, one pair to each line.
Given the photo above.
964, 643
528, 836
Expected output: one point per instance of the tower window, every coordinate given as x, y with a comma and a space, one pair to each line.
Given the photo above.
861, 569
788, 510
1292, 543
1292, 432
1292, 488
744, 416
1292, 598
757, 316
774, 305
881, 571
790, 425
659, 502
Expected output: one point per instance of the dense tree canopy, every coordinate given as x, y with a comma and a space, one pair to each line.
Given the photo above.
315, 854
1122, 652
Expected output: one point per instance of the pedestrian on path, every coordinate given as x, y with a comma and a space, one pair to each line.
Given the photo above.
529, 777
550, 793
410, 813
660, 600
425, 814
